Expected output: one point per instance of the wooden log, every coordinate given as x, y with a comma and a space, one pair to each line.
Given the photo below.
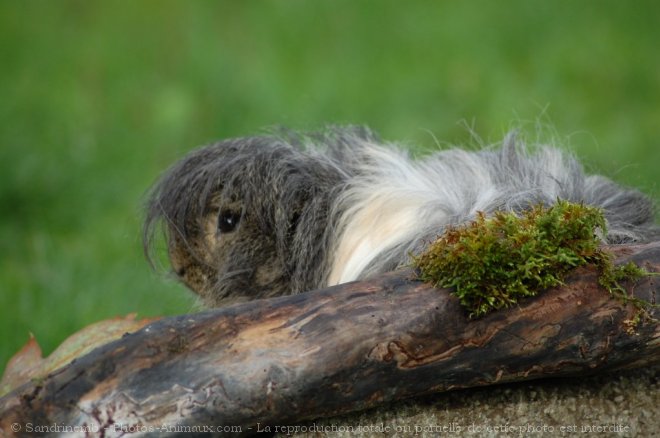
331, 351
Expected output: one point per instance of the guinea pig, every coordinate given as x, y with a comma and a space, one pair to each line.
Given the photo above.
281, 214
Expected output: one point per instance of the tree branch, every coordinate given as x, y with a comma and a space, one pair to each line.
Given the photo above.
337, 350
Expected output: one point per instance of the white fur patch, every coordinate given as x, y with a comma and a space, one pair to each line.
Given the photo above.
393, 198
394, 201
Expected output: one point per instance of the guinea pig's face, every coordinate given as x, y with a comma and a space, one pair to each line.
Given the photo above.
246, 218
227, 258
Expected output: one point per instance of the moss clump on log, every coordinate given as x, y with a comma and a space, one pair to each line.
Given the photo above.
492, 262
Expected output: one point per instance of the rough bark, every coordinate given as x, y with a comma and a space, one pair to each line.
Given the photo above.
336, 350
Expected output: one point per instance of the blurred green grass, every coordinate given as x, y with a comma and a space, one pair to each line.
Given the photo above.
97, 98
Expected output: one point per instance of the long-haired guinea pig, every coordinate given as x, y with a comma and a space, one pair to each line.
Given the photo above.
274, 215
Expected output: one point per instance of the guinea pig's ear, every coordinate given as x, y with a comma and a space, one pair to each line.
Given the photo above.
294, 219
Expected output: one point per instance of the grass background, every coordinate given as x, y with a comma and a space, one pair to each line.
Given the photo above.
97, 98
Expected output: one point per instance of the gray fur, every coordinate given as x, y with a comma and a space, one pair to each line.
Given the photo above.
298, 197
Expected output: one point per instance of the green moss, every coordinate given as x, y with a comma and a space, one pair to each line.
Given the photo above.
493, 262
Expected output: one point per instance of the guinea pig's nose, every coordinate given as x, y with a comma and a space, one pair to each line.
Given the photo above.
177, 268
177, 262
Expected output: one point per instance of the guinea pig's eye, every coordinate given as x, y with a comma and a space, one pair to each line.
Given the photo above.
228, 220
